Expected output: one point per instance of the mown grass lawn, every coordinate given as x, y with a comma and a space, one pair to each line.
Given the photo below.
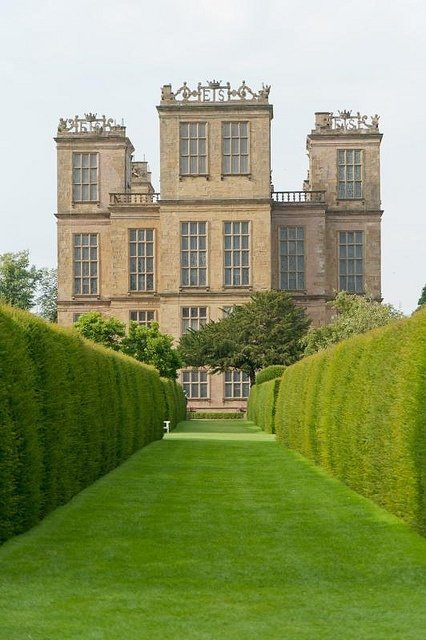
215, 533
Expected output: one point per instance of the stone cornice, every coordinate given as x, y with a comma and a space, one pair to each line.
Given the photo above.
90, 215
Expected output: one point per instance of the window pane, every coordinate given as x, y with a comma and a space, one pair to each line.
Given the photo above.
141, 269
349, 165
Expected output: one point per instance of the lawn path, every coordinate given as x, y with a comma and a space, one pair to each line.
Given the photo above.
215, 533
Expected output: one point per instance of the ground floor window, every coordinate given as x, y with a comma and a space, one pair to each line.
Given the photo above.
143, 316
195, 383
237, 384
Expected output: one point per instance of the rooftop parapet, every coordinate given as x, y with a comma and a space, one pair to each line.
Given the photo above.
345, 122
214, 91
90, 124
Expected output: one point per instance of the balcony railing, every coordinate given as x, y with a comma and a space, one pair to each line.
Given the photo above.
286, 197
298, 196
134, 198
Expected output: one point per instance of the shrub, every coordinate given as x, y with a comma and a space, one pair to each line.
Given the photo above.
269, 373
261, 404
175, 402
215, 415
70, 411
358, 410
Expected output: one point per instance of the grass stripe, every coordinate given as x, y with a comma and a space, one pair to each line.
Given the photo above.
215, 532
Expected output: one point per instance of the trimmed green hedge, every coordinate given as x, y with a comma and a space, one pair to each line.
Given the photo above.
359, 410
70, 411
175, 402
215, 415
261, 404
270, 373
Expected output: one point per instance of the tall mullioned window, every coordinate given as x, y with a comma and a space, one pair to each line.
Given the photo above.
351, 262
237, 384
235, 148
193, 254
292, 258
193, 318
141, 250
193, 148
195, 383
144, 316
85, 177
236, 254
349, 167
86, 256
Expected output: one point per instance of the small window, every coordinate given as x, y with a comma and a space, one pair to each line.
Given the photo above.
351, 261
195, 383
85, 177
86, 263
236, 254
141, 250
193, 148
235, 148
193, 318
193, 255
292, 258
349, 167
144, 316
237, 384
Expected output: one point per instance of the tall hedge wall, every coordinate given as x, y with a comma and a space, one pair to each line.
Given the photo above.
70, 412
359, 410
261, 404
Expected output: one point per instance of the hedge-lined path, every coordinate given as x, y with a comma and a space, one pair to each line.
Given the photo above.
214, 533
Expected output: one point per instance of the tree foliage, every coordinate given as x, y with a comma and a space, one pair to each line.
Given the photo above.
148, 345
47, 295
265, 331
354, 315
18, 280
145, 344
107, 331
24, 286
422, 299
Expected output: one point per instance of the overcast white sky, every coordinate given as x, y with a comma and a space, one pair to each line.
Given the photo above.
58, 59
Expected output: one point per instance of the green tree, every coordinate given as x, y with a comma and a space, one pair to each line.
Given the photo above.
107, 331
18, 280
47, 296
354, 314
145, 344
148, 345
265, 331
422, 299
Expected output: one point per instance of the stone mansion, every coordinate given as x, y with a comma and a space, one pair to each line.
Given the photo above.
217, 231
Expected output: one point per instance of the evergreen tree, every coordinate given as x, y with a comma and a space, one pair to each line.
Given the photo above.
265, 331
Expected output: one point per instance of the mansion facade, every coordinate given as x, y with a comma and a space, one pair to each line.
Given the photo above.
218, 231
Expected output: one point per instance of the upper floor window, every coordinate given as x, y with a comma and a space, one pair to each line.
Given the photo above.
236, 254
193, 318
237, 384
141, 250
349, 167
235, 151
351, 268
86, 263
144, 316
193, 148
85, 177
193, 256
292, 258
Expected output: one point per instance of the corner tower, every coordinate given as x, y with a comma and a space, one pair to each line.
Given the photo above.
344, 162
